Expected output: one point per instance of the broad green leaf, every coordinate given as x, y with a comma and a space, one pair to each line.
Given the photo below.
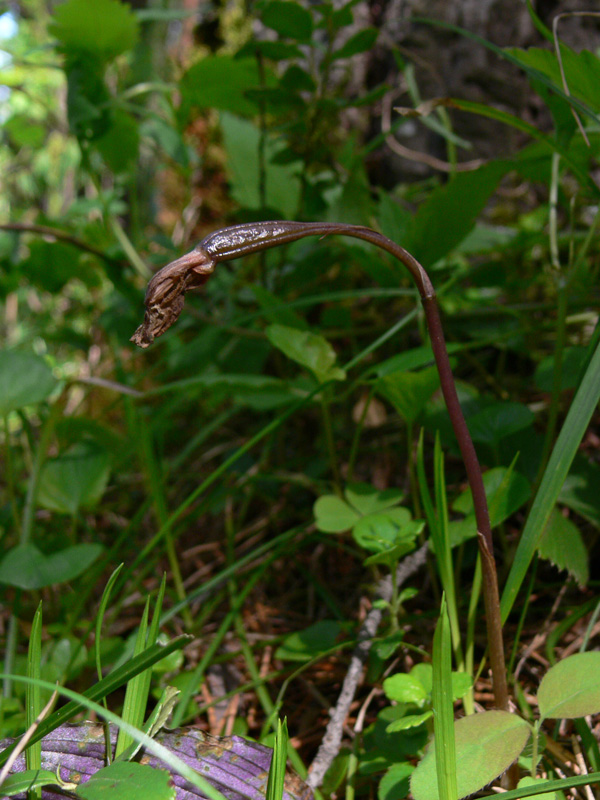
582, 70
282, 186
289, 19
409, 721
580, 490
311, 642
24, 131
572, 362
119, 144
384, 529
499, 420
308, 349
506, 492
105, 29
25, 379
219, 82
408, 392
276, 311
390, 554
461, 683
75, 479
405, 688
395, 783
529, 781
29, 780
124, 780
367, 499
28, 568
333, 515
571, 688
358, 43
572, 432
561, 543
460, 200
50, 265
486, 745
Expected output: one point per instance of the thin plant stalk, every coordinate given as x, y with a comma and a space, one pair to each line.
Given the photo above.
164, 302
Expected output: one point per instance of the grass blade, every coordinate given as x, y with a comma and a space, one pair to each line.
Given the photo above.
560, 461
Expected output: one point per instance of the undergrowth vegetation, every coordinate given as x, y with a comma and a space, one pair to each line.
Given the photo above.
271, 513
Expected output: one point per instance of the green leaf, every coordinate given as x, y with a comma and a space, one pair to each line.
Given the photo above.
430, 235
378, 532
282, 185
443, 710
124, 780
119, 144
358, 43
561, 543
405, 688
308, 349
367, 499
25, 379
289, 19
580, 490
28, 780
219, 82
499, 420
529, 781
311, 642
506, 491
571, 688
276, 311
572, 432
50, 265
395, 783
23, 131
277, 769
75, 479
28, 568
105, 29
486, 745
409, 721
333, 515
408, 392
582, 70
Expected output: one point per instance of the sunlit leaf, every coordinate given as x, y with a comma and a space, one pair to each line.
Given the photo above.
571, 689
486, 745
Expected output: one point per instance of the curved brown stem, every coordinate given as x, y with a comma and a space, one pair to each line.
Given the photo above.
164, 300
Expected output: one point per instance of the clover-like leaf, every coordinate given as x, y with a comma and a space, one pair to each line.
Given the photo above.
333, 515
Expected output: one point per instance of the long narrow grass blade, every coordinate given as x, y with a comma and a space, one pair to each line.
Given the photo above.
276, 777
560, 461
443, 711
134, 704
33, 698
114, 681
160, 751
